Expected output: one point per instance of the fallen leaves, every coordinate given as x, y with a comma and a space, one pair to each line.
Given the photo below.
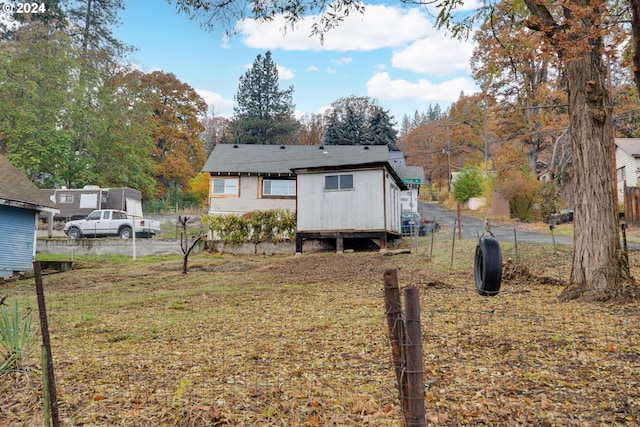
263, 341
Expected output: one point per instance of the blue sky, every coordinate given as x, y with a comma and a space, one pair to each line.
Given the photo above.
391, 53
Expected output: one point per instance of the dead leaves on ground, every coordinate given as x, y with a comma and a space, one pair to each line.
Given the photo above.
264, 341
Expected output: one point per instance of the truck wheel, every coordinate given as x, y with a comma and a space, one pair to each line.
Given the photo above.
488, 267
125, 233
74, 233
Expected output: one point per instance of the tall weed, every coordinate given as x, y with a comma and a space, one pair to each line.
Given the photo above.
15, 337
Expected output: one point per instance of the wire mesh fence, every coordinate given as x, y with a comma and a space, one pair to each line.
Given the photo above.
295, 341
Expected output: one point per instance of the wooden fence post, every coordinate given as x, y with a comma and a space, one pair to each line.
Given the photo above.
393, 313
413, 354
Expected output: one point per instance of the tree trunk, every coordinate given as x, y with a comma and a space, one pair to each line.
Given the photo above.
597, 268
635, 31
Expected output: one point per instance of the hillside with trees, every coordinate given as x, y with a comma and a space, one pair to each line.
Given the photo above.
83, 118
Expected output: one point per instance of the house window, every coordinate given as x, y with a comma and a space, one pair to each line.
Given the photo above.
225, 187
66, 198
622, 174
279, 187
338, 182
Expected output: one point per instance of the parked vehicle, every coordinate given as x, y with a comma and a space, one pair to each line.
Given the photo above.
413, 222
561, 217
109, 222
409, 221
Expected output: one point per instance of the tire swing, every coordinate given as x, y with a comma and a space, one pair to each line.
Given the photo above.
488, 265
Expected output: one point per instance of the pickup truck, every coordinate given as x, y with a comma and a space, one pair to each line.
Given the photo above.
109, 222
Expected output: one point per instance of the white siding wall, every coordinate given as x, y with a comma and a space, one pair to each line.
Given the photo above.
248, 200
410, 199
630, 165
393, 205
360, 209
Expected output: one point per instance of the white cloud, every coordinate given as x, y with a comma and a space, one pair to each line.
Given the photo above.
221, 106
284, 73
382, 87
379, 27
438, 55
341, 61
313, 68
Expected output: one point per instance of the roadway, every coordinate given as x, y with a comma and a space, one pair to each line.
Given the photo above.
472, 227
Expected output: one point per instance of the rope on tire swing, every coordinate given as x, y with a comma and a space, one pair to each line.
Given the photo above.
487, 266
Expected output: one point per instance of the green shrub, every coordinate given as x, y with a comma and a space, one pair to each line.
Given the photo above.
257, 226
467, 184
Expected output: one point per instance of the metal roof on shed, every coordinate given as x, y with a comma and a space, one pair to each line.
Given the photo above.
282, 159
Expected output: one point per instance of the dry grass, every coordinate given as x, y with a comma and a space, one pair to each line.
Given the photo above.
301, 341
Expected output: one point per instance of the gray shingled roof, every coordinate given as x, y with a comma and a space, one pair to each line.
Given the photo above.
281, 159
411, 172
16, 188
631, 146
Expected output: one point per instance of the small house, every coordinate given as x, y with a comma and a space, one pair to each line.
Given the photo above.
413, 178
348, 192
20, 203
249, 177
627, 164
336, 191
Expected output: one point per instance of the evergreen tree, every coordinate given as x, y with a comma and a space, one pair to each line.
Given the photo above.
347, 130
418, 119
92, 21
380, 131
405, 127
430, 114
264, 113
437, 113
358, 120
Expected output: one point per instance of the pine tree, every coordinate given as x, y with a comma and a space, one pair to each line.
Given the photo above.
418, 119
264, 113
405, 128
380, 131
347, 130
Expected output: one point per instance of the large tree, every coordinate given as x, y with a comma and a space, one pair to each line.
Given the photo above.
573, 31
36, 75
358, 120
380, 129
92, 23
264, 113
176, 112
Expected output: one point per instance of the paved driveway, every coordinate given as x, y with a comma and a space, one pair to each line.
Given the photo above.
472, 227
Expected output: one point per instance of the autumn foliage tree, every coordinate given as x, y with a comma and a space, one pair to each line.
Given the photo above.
515, 181
176, 112
571, 33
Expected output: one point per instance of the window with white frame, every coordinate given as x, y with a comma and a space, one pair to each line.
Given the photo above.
65, 198
278, 187
225, 187
622, 174
338, 182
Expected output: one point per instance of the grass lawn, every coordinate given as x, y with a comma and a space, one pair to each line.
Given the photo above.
302, 341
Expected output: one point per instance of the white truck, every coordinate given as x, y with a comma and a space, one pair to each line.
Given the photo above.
110, 222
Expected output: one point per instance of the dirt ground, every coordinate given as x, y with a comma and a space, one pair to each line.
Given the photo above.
302, 341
